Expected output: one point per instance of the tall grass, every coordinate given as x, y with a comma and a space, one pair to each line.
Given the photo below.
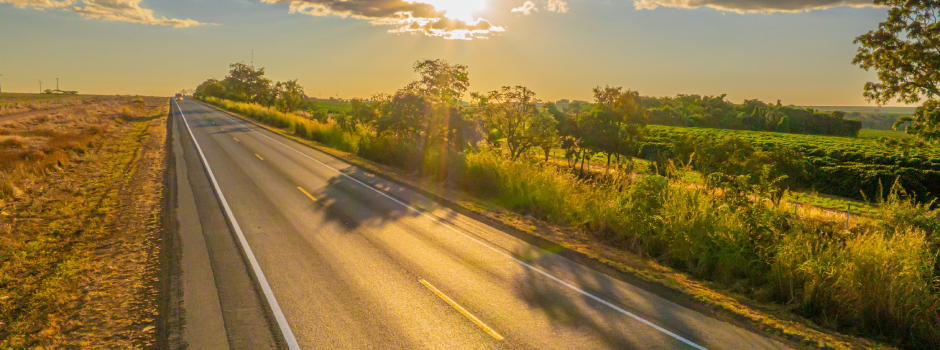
878, 279
329, 134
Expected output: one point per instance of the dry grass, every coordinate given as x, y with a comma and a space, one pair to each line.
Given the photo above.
11, 104
80, 191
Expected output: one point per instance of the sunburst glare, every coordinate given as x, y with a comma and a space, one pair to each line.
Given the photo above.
463, 10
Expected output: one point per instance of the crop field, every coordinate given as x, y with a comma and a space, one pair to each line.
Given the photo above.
860, 168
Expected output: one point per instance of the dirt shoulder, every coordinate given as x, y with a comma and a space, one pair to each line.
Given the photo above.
79, 257
768, 319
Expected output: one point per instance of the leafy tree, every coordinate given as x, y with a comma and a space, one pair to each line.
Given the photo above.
403, 116
290, 96
784, 124
438, 92
618, 122
247, 84
905, 52
364, 113
549, 137
925, 123
514, 115
210, 88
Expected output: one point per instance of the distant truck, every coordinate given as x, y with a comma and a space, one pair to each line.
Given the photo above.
179, 97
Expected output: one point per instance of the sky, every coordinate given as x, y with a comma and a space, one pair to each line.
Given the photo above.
797, 51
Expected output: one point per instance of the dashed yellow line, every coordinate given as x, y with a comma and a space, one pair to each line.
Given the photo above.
259, 157
236, 140
462, 311
307, 193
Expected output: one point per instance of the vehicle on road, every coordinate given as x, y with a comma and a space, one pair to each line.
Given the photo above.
179, 97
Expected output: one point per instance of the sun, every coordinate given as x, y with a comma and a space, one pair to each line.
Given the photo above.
458, 9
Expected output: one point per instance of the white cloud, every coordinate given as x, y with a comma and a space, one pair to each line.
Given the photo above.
127, 11
751, 6
39, 4
107, 10
408, 16
526, 9
560, 6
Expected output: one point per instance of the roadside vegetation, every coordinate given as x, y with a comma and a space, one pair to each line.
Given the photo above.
81, 183
878, 278
709, 201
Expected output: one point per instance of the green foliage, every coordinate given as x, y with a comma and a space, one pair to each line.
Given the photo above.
329, 133
512, 114
846, 167
290, 96
880, 279
905, 52
717, 113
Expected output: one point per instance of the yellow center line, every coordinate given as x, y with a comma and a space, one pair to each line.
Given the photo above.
462, 311
259, 157
236, 140
307, 193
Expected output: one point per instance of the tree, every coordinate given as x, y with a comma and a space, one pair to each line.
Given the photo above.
905, 52
247, 84
784, 124
514, 114
210, 88
619, 122
365, 113
290, 96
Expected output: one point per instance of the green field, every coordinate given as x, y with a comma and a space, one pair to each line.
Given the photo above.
857, 168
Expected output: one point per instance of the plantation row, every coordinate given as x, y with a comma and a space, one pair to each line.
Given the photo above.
849, 167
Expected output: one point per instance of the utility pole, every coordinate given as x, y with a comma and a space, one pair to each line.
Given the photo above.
252, 58
40, 86
56, 84
1, 88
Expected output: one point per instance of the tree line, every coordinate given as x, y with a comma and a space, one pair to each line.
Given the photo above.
754, 115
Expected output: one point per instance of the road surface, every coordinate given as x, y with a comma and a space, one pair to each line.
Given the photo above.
301, 250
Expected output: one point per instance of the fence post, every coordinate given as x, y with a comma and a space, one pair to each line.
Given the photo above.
848, 214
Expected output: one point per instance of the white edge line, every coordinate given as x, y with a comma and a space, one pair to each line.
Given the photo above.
268, 294
497, 250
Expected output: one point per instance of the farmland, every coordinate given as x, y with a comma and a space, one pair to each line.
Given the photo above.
80, 194
860, 168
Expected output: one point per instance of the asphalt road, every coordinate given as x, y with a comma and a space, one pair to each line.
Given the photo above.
338, 258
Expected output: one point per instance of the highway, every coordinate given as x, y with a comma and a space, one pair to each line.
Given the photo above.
301, 250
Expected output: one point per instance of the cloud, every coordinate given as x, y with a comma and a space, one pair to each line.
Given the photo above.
127, 11
107, 10
752, 6
560, 6
39, 4
526, 9
408, 16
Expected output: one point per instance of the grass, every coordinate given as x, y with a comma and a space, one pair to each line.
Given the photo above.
12, 103
80, 193
877, 279
328, 133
